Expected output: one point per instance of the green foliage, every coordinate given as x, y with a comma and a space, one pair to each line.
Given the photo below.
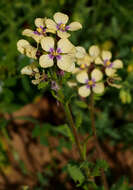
76, 173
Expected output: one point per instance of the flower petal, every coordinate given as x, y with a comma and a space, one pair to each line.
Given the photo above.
98, 61
50, 24
106, 55
97, 75
65, 45
75, 26
25, 48
63, 34
60, 18
39, 22
27, 70
21, 44
82, 77
94, 51
65, 63
28, 32
117, 64
80, 52
84, 91
99, 88
47, 43
85, 60
71, 84
45, 61
110, 71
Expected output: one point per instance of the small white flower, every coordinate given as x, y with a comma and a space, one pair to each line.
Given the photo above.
110, 67
93, 83
112, 81
25, 48
59, 25
62, 53
40, 32
29, 70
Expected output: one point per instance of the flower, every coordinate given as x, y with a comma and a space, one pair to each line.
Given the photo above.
59, 25
84, 59
39, 78
93, 83
29, 70
112, 81
40, 32
63, 54
25, 48
105, 60
54, 86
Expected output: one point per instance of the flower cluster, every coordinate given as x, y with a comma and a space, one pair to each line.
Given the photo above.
95, 70
53, 47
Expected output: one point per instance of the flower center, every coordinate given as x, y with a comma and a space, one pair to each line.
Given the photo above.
39, 29
55, 53
108, 63
82, 66
90, 83
62, 26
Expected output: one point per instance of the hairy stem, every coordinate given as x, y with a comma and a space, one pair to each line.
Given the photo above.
97, 144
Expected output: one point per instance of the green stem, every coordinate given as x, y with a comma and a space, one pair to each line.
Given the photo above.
74, 130
97, 144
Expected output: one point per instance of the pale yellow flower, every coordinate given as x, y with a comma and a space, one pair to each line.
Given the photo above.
62, 53
93, 83
94, 52
59, 25
25, 48
85, 59
40, 32
112, 81
38, 78
105, 60
29, 70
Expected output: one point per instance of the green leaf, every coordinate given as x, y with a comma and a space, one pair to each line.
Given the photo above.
43, 85
64, 130
81, 104
76, 173
78, 120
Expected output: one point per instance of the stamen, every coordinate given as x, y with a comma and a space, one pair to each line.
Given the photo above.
82, 66
108, 63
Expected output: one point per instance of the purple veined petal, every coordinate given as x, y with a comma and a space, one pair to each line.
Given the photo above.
44, 30
37, 33
51, 56
58, 26
41, 27
58, 50
58, 57
51, 50
108, 66
67, 27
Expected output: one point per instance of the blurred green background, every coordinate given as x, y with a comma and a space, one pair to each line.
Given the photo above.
108, 23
